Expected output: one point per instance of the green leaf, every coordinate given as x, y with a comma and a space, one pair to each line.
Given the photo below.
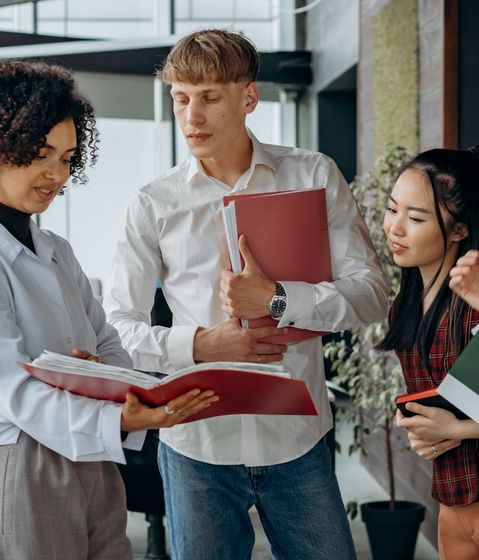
372, 378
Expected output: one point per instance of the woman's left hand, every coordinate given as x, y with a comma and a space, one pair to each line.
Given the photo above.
85, 355
429, 450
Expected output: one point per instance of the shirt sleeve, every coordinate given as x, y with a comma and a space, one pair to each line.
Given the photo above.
109, 346
357, 295
130, 294
78, 428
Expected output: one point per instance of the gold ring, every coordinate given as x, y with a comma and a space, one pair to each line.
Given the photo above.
434, 450
180, 412
169, 411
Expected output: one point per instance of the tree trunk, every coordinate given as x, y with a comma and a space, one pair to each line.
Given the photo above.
390, 464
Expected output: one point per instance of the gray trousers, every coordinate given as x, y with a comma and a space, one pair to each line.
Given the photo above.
55, 509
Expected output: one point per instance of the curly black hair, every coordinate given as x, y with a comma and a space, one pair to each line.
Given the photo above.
34, 97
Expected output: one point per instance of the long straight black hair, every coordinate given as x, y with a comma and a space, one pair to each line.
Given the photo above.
454, 179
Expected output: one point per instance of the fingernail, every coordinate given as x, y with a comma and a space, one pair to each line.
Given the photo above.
195, 392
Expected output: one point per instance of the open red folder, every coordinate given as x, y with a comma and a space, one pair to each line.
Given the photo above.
243, 388
287, 233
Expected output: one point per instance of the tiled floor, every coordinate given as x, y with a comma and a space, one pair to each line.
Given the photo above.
355, 482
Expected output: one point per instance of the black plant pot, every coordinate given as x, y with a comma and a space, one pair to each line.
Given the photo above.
392, 534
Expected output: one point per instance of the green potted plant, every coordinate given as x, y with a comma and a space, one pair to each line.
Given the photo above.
373, 379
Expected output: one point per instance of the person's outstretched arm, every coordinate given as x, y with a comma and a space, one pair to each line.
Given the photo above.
465, 278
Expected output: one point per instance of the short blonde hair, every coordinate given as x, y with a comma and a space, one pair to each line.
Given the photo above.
211, 55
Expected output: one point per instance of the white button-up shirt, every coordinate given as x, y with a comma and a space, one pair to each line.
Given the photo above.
46, 303
173, 231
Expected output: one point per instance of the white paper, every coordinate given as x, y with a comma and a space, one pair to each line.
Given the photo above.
68, 364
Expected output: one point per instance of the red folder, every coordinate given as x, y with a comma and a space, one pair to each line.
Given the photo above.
240, 391
287, 232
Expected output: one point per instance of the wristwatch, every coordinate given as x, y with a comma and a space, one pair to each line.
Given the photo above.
277, 304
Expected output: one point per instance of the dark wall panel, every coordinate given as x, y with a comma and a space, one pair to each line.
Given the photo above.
337, 129
468, 73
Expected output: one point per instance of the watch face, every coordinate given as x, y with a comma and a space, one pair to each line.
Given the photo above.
278, 306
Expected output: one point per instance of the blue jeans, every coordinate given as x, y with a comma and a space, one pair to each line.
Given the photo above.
298, 503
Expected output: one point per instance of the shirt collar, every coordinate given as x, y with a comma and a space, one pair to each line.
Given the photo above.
260, 157
11, 247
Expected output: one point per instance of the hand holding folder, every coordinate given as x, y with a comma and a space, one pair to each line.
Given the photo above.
243, 388
287, 232
458, 392
427, 398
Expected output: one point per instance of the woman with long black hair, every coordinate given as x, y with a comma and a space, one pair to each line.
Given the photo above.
432, 220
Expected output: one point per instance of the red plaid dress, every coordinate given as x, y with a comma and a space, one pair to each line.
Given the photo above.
456, 472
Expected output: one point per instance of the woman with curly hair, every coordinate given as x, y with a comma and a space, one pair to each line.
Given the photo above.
61, 496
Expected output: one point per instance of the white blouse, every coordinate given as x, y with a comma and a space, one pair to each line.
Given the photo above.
46, 303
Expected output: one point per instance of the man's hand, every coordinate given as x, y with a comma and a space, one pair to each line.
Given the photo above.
245, 295
229, 342
465, 278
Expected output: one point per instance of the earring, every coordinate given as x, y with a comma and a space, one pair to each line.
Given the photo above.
61, 192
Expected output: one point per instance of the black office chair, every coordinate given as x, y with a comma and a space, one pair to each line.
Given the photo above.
143, 484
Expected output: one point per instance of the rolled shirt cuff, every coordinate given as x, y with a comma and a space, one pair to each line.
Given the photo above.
134, 440
110, 432
299, 304
180, 346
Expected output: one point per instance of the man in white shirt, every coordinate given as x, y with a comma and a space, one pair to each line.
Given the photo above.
215, 470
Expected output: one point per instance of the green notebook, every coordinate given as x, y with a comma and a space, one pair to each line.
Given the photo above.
461, 384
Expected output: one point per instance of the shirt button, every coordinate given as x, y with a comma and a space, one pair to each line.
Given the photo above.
69, 339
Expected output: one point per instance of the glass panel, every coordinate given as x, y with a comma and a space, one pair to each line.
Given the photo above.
52, 8
6, 18
206, 9
185, 27
259, 32
51, 27
109, 29
6, 13
182, 9
104, 9
253, 9
96, 208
